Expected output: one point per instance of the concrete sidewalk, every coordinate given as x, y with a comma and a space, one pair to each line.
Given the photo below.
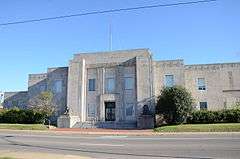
36, 155
146, 132
98, 131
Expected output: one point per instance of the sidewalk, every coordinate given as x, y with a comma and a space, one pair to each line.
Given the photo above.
36, 155
147, 132
98, 131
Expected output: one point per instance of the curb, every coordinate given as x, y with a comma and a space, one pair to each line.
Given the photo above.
116, 132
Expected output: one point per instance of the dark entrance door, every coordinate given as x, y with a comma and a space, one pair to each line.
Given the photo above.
109, 111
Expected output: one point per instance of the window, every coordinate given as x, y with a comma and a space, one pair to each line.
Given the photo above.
237, 101
169, 80
91, 110
110, 85
201, 84
203, 105
58, 86
14, 103
129, 109
225, 105
42, 88
91, 84
129, 83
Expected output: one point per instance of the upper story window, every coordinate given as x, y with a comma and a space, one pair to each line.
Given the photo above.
58, 86
91, 84
201, 84
169, 80
129, 83
42, 88
110, 85
203, 105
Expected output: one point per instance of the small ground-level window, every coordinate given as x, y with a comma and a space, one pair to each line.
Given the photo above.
129, 109
203, 105
91, 110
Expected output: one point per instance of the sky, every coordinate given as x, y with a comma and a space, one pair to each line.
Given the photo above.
200, 33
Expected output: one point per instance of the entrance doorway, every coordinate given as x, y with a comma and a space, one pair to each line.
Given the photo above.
109, 111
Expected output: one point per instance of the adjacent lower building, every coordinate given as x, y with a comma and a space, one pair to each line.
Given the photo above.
113, 89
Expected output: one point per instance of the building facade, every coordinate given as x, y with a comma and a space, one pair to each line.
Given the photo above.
111, 89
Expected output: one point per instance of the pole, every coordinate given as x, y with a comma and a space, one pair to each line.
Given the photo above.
110, 36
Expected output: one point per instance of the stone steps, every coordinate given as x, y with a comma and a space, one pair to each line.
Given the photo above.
107, 125
85, 125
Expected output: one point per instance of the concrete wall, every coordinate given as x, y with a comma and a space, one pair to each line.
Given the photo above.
170, 67
222, 84
76, 85
121, 96
113, 56
15, 99
37, 83
144, 83
93, 100
54, 75
222, 81
101, 66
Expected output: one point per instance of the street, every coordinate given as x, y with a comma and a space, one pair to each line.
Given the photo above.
192, 146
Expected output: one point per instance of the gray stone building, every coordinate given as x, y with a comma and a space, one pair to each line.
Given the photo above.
111, 89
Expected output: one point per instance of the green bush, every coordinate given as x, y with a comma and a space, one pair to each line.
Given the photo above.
175, 104
221, 116
232, 115
22, 116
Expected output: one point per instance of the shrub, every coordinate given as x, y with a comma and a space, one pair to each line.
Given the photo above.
221, 116
232, 115
175, 104
22, 116
202, 116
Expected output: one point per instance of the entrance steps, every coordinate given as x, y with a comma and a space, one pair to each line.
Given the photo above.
107, 125
85, 125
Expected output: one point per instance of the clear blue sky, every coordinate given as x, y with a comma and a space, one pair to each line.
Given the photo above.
202, 33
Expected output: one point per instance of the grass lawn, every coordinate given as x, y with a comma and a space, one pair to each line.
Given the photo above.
226, 127
23, 127
7, 158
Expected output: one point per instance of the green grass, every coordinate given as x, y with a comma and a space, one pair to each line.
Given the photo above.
23, 127
226, 127
7, 158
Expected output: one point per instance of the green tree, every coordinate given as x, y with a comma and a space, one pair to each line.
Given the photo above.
175, 104
43, 103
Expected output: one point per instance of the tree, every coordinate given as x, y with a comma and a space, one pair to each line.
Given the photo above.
43, 103
175, 104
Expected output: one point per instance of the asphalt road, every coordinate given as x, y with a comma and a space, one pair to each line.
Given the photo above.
190, 146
